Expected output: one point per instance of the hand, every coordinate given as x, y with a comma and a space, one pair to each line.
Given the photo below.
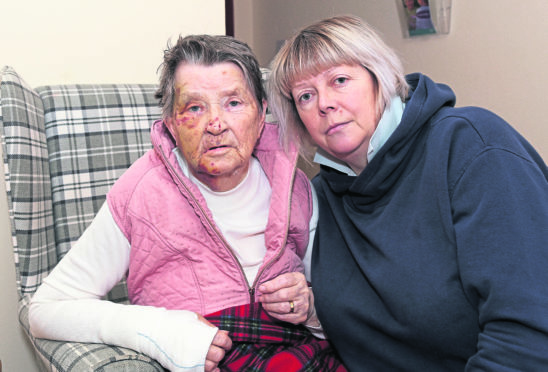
278, 293
219, 346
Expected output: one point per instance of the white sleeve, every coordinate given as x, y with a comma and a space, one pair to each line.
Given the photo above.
307, 259
313, 323
68, 305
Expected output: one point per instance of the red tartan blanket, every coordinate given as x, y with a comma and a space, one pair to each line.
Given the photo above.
262, 343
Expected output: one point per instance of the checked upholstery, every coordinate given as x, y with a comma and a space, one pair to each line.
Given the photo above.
63, 147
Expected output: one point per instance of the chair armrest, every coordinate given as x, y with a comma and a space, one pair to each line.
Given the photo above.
75, 356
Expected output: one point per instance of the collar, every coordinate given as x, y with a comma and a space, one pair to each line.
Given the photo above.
390, 120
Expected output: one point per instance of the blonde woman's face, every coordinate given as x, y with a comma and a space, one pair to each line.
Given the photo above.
337, 107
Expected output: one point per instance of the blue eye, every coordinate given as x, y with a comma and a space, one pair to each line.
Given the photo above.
305, 97
234, 103
340, 80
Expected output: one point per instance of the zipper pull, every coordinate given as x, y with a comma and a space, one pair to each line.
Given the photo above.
252, 294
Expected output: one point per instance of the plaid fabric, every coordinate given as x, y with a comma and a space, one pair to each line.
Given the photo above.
63, 146
94, 133
59, 356
26, 172
261, 343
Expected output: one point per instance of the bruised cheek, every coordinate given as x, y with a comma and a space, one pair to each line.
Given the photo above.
188, 136
185, 127
189, 139
185, 121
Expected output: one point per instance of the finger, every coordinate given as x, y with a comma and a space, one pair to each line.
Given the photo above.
295, 318
283, 307
222, 340
210, 366
299, 291
215, 354
221, 343
283, 310
279, 282
280, 296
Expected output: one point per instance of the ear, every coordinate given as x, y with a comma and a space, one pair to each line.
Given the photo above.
263, 115
169, 125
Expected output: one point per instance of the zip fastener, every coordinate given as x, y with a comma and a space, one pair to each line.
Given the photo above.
251, 290
275, 258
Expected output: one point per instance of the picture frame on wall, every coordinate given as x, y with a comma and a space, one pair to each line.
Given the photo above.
424, 17
418, 17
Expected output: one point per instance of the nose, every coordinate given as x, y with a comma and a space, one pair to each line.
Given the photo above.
215, 124
326, 102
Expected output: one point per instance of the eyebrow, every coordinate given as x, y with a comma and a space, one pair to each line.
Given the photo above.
324, 72
188, 96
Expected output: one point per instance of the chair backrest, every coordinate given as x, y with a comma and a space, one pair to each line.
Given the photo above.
26, 171
64, 146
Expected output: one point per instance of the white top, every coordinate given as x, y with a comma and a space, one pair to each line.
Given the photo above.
241, 214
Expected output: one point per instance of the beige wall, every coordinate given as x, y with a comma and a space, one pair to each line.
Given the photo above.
495, 55
100, 41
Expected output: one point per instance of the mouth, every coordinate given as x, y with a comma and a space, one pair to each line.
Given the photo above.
334, 128
217, 149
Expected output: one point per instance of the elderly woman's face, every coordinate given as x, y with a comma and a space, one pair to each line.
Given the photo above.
216, 123
337, 107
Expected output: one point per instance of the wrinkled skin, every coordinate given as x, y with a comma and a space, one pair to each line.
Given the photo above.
216, 123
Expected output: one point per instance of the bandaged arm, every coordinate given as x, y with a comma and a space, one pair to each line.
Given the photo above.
68, 305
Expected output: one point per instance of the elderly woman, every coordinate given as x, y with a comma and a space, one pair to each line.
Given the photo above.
431, 248
215, 210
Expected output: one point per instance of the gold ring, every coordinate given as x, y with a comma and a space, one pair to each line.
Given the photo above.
291, 307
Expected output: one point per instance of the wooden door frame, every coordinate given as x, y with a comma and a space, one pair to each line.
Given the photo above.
229, 17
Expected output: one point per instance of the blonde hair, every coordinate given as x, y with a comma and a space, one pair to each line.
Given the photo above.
322, 45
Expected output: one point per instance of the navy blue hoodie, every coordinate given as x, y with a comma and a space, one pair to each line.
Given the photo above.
435, 257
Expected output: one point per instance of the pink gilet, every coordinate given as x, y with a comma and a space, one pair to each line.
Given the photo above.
179, 259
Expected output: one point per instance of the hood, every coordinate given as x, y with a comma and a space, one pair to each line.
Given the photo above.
161, 138
425, 99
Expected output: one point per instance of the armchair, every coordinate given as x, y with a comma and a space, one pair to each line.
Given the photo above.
63, 147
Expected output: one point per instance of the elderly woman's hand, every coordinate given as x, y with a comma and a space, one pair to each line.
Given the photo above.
219, 346
287, 297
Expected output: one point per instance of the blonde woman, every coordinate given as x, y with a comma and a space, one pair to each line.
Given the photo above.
431, 249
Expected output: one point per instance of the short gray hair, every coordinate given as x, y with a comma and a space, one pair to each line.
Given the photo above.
207, 50
322, 45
